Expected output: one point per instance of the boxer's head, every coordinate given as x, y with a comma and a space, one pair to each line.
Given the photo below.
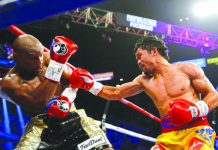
28, 54
146, 49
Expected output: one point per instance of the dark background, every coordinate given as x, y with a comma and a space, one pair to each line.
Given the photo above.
98, 54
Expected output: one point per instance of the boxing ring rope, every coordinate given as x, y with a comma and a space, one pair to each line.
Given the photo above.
139, 109
127, 132
20, 118
8, 136
6, 122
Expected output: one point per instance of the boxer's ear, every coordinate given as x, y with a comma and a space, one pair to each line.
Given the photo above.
154, 51
46, 58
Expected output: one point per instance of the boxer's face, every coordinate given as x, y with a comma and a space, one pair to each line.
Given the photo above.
145, 60
30, 62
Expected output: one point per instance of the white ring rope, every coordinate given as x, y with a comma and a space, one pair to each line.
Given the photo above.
127, 132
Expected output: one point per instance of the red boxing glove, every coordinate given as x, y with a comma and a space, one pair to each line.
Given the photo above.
62, 48
182, 111
60, 106
81, 78
60, 51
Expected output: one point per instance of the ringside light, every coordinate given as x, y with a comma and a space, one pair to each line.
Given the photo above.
103, 76
205, 8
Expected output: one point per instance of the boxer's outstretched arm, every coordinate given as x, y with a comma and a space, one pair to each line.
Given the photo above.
81, 78
125, 90
201, 84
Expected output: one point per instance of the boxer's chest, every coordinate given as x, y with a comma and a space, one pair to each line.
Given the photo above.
168, 86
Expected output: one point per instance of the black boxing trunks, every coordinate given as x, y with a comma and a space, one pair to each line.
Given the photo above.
75, 132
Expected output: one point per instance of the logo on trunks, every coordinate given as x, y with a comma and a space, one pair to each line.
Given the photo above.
90, 143
206, 133
63, 105
60, 48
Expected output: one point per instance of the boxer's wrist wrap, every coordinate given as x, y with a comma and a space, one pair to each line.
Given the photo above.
70, 93
194, 111
203, 108
96, 88
54, 71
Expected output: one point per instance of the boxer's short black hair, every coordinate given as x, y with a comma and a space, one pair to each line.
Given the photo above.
148, 42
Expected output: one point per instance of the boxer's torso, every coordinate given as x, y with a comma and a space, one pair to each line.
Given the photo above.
169, 85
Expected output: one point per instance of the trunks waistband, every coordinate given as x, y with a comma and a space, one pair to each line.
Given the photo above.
168, 127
